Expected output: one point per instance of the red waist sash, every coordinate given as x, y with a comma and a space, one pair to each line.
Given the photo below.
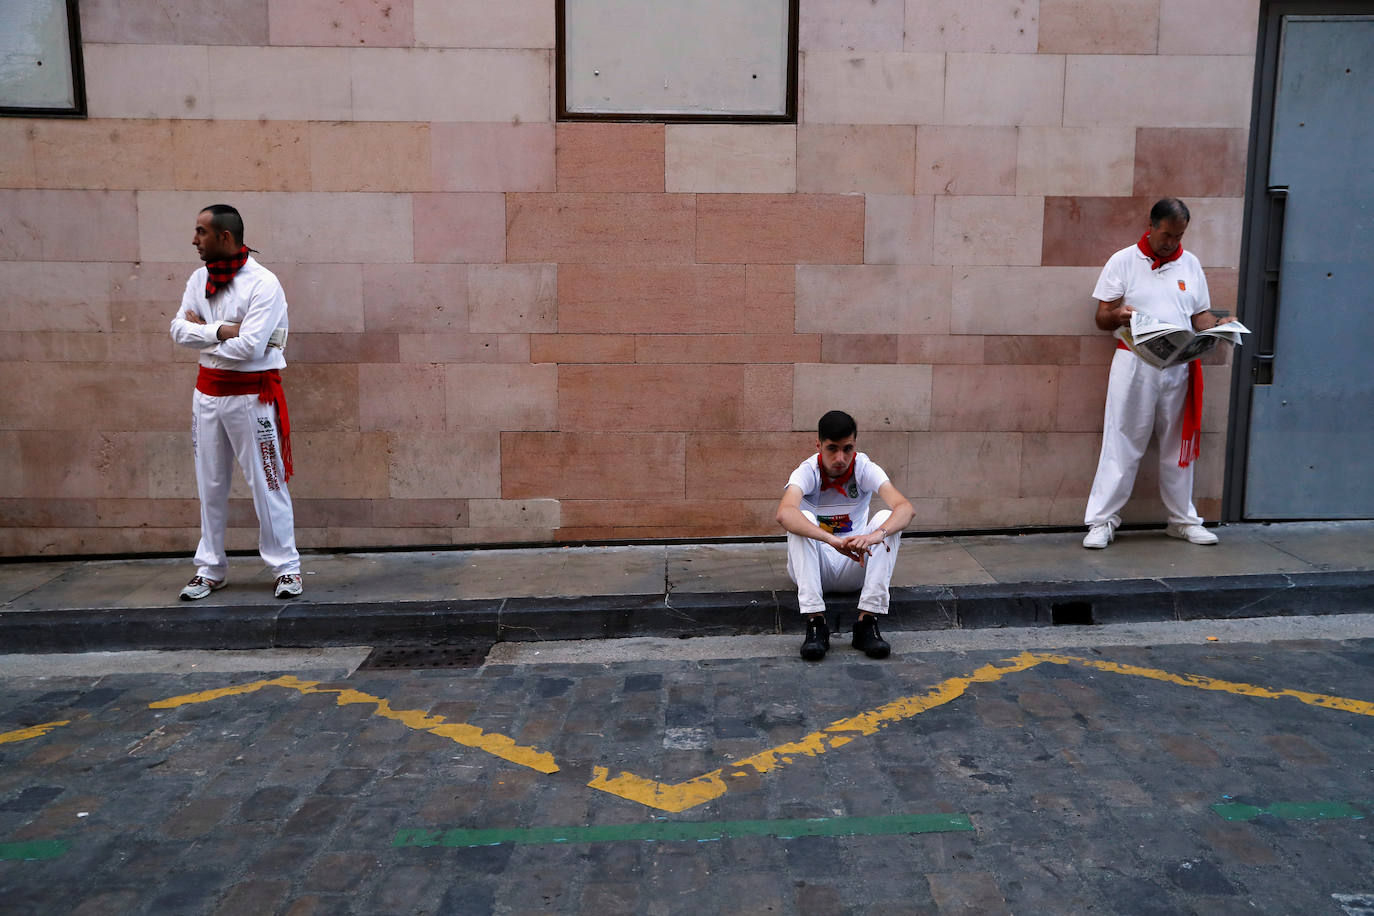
220, 383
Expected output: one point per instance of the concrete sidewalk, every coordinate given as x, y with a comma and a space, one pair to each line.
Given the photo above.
682, 589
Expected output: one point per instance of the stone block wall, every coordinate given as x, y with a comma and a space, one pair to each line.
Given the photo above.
510, 329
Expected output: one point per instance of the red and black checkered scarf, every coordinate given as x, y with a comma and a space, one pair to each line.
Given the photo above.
219, 273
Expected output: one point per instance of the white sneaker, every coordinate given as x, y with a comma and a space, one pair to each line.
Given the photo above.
1100, 536
1193, 534
199, 587
289, 585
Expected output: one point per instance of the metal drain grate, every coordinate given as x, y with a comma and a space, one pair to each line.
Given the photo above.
467, 655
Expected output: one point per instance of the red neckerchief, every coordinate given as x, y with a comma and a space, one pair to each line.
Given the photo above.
223, 383
219, 273
1155, 260
837, 484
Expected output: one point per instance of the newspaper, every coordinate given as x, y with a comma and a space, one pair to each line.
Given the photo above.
277, 340
1163, 344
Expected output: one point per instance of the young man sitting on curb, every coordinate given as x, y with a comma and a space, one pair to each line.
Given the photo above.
832, 544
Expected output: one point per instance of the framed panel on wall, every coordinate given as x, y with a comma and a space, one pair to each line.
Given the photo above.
40, 59
685, 60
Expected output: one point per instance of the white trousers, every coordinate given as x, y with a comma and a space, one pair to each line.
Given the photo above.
1142, 400
241, 429
818, 568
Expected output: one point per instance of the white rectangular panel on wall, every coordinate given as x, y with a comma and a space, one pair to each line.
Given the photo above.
693, 59
36, 72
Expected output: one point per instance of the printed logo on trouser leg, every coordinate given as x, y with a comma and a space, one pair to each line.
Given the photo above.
267, 449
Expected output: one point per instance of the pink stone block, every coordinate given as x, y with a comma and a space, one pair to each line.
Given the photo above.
898, 229
880, 398
130, 81
600, 228
1075, 160
758, 463
873, 299
610, 157
1190, 162
247, 84
167, 221
330, 463
1002, 512
955, 25
582, 348
990, 398
1101, 91
505, 85
965, 160
16, 152
857, 158
477, 156
1083, 395
779, 229
940, 349
988, 230
731, 158
401, 397
322, 396
1031, 350
842, 25
478, 24
341, 228
726, 348
965, 464
1004, 89
81, 396
1217, 27
439, 347
1215, 231
55, 296
660, 398
144, 296
344, 23
513, 298
460, 228
514, 513
590, 465
415, 297
112, 153
1047, 300
701, 298
240, 156
68, 226
502, 397
1086, 27
346, 348
875, 88
75, 464
323, 297
369, 156
183, 22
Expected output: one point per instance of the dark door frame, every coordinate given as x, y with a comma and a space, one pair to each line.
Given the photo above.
1262, 239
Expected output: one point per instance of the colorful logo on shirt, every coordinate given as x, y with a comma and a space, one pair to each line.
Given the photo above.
1183, 286
835, 524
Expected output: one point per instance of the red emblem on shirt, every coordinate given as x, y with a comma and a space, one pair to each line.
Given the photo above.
1182, 286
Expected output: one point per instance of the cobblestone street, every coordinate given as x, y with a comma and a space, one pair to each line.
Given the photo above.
1214, 778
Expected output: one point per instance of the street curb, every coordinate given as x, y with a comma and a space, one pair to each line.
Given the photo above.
299, 623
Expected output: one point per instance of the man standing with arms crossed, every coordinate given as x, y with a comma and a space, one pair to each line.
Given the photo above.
234, 313
1156, 276
832, 544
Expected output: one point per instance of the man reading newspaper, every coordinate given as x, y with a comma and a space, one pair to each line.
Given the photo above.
1152, 391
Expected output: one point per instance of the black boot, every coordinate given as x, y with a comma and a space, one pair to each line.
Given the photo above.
868, 640
817, 641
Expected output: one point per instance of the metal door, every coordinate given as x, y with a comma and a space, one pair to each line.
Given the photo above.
1311, 432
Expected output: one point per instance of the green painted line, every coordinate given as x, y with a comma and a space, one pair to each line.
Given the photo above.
35, 849
1295, 811
685, 831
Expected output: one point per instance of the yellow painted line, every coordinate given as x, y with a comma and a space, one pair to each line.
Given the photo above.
33, 731
458, 732
680, 796
1201, 682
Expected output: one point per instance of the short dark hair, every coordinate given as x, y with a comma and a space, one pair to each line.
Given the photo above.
224, 217
836, 425
1169, 208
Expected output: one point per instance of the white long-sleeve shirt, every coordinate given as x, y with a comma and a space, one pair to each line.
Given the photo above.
253, 300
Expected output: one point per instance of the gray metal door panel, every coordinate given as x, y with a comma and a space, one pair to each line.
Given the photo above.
1311, 446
